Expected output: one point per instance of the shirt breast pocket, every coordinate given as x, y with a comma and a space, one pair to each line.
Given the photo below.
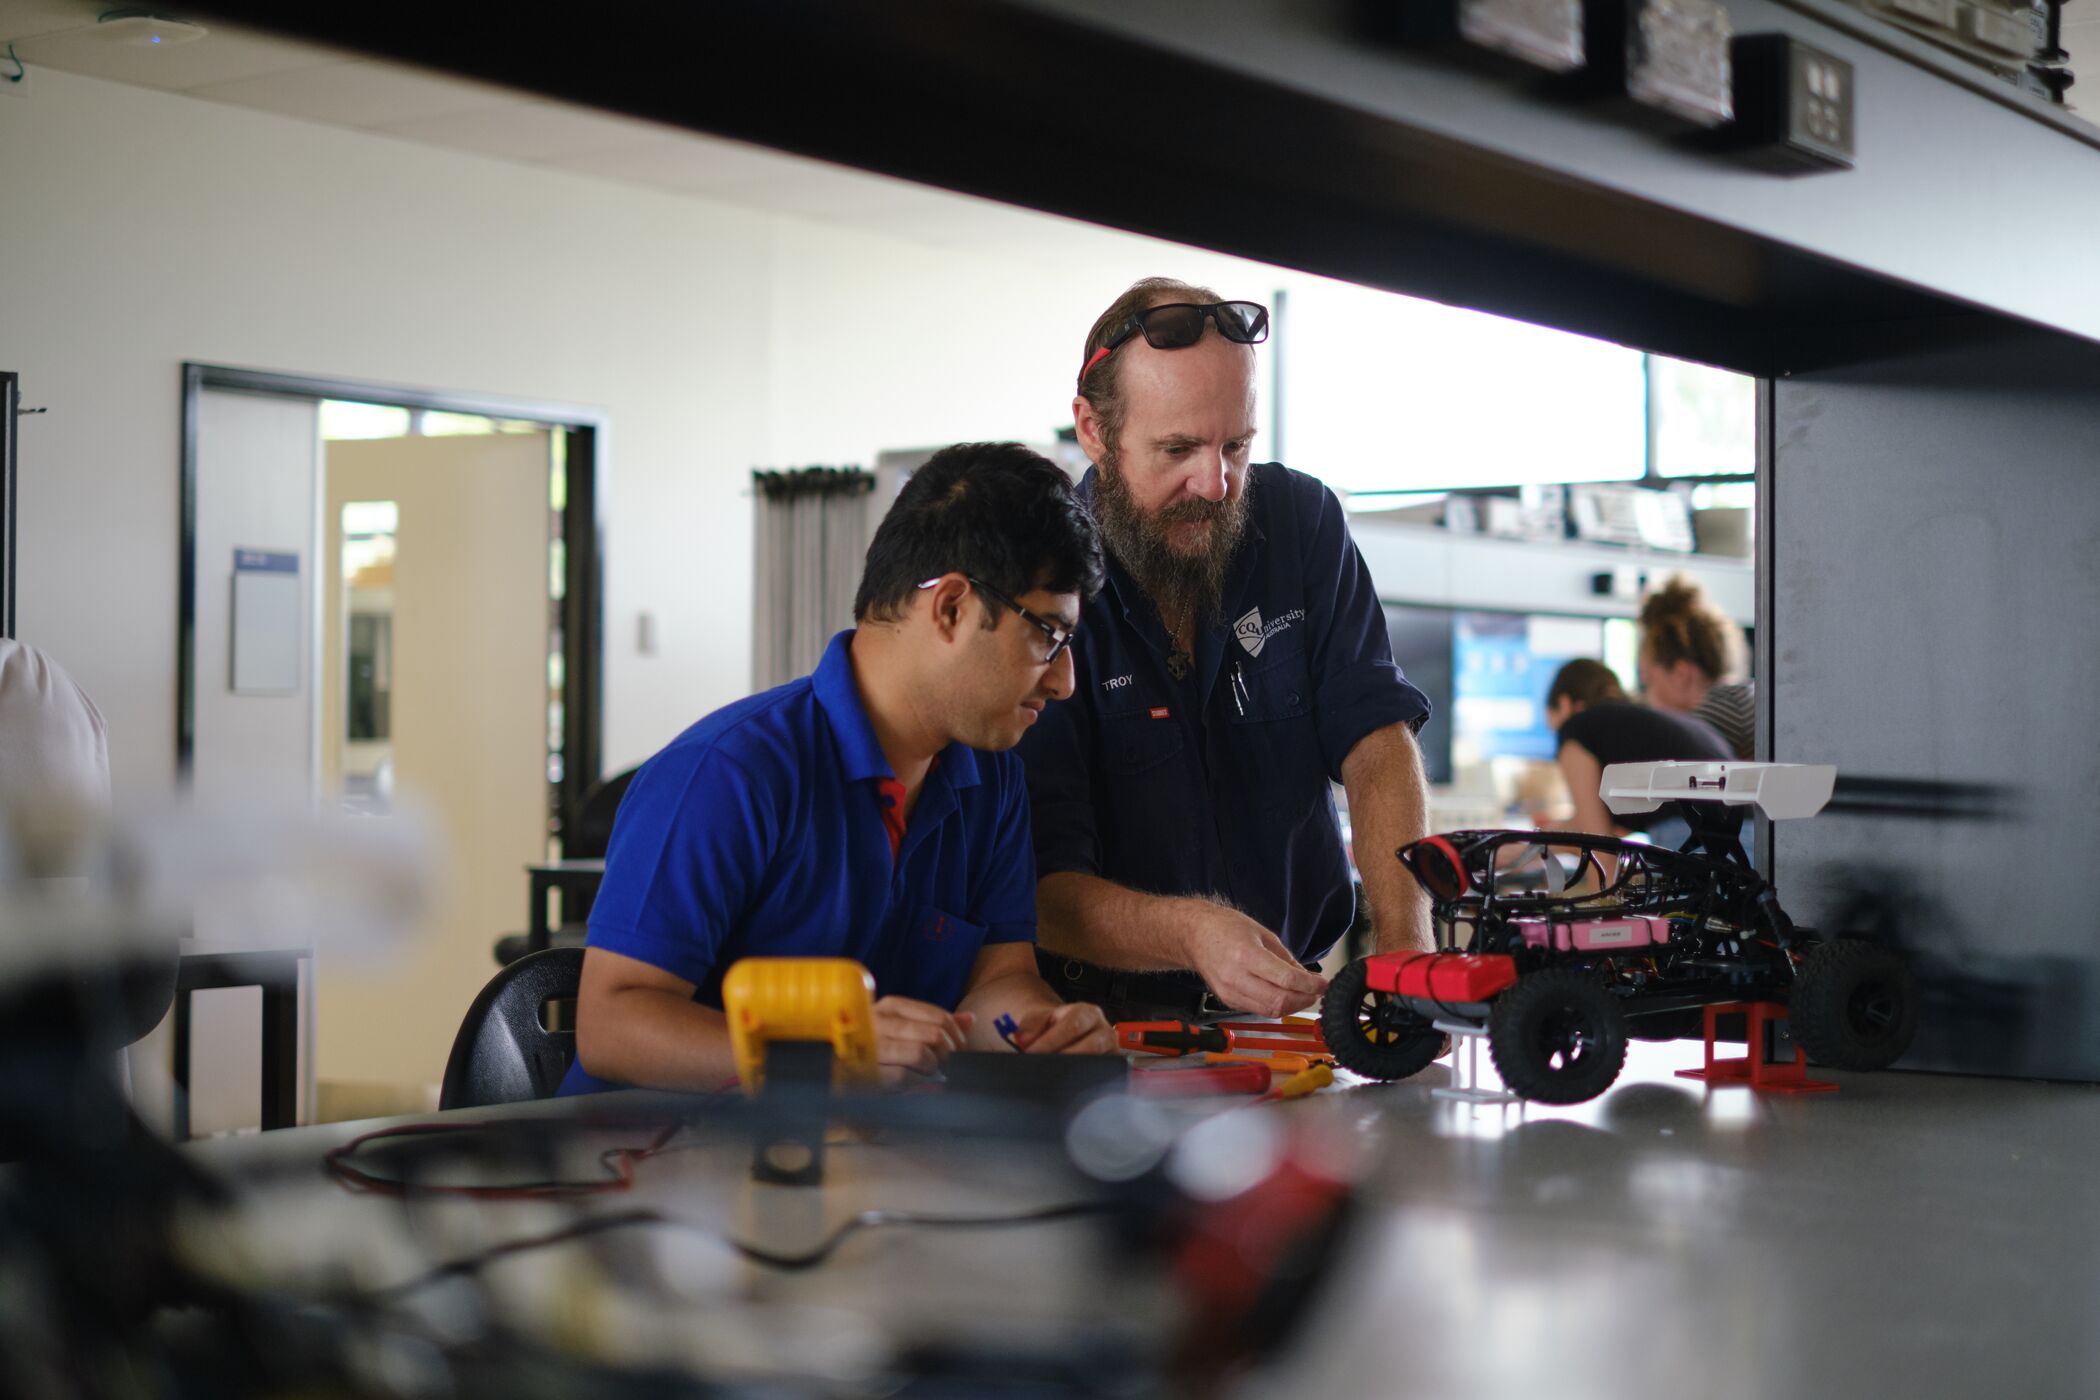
1277, 739
1136, 741
932, 960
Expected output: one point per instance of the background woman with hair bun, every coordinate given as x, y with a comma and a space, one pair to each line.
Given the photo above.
1693, 662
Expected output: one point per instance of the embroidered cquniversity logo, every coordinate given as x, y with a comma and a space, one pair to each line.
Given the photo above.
1248, 630
1254, 634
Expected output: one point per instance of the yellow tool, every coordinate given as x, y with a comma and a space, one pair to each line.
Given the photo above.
1279, 1062
1305, 1081
831, 1000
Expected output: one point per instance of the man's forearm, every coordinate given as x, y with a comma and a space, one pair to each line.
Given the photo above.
1102, 922
1388, 808
655, 1040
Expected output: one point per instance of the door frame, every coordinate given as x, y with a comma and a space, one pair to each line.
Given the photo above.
583, 539
10, 411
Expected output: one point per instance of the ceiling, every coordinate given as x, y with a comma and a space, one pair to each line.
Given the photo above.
338, 88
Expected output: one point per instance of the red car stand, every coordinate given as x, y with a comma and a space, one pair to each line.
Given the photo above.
1757, 1068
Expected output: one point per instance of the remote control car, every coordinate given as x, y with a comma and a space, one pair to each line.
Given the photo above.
1561, 945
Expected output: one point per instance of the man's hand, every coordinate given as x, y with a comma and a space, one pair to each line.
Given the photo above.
1076, 1028
916, 1037
1247, 967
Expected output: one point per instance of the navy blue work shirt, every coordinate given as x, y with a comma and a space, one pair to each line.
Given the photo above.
1218, 783
760, 830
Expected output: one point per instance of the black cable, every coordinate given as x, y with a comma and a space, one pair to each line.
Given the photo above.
618, 1162
824, 1249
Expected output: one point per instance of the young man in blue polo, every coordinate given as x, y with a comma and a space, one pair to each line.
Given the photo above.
870, 810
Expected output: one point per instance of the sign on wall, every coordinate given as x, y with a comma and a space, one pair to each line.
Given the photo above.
266, 623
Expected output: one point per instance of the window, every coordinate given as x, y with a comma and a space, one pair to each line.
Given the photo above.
1388, 393
1704, 420
1384, 395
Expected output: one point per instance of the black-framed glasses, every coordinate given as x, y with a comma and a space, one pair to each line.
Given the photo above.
1059, 637
1176, 325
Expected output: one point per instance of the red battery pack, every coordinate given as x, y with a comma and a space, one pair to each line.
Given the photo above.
1212, 1079
1444, 977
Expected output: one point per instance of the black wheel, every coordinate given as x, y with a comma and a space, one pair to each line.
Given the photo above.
1372, 1033
1855, 1005
1557, 1036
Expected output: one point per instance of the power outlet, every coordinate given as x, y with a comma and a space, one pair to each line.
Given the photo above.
1794, 106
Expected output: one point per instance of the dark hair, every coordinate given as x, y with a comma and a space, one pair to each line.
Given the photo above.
1586, 682
1101, 384
1680, 623
993, 510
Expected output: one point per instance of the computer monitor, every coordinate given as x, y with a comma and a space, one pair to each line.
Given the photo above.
1486, 674
1421, 639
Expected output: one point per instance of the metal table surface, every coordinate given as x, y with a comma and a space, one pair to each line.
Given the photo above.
1917, 1235
1913, 1234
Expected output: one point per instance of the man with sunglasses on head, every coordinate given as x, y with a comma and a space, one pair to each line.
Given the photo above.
870, 810
1235, 665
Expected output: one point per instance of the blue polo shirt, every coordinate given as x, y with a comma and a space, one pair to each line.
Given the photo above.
760, 831
1218, 783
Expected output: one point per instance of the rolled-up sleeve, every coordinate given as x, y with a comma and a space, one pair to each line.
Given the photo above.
1357, 687
1057, 752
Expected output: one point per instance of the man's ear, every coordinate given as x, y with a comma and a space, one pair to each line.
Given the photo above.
1087, 423
945, 603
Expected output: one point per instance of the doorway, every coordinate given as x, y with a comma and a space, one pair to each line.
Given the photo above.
438, 557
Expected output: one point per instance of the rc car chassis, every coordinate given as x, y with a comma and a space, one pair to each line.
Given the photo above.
1560, 945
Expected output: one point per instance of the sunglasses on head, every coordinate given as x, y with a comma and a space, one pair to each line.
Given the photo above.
1176, 325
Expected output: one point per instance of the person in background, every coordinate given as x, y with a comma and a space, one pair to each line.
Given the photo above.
1692, 662
54, 796
870, 810
54, 746
1235, 666
1598, 726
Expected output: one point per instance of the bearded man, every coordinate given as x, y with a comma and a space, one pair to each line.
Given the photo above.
1236, 664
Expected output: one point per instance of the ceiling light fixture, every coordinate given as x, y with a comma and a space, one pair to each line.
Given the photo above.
142, 29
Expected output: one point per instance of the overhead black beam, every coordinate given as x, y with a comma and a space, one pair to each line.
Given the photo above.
1006, 101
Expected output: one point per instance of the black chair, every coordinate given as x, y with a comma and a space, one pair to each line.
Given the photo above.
504, 1052
589, 831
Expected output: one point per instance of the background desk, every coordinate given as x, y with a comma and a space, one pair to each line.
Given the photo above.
205, 966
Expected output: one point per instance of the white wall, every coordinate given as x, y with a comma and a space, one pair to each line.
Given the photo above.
940, 348
142, 229
257, 465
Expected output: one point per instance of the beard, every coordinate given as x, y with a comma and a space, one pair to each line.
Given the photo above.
1178, 583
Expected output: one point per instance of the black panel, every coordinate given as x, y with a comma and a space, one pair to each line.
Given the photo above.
1936, 634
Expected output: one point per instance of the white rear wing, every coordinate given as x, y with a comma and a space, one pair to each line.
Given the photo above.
1779, 790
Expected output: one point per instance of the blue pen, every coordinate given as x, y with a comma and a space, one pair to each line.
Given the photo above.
1007, 1026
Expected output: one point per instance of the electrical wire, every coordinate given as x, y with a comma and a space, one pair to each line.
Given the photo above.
757, 1254
619, 1164
21, 71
